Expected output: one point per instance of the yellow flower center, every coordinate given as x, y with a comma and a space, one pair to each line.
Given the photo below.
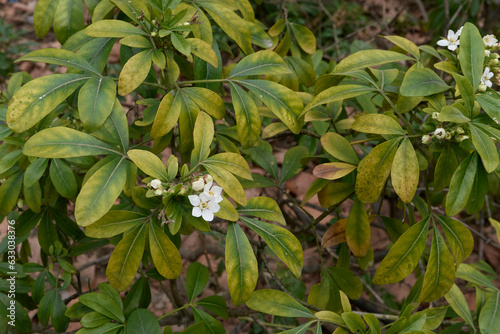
204, 205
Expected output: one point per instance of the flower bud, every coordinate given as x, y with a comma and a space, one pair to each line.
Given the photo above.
154, 33
198, 185
462, 138
158, 192
460, 131
482, 88
435, 115
208, 178
426, 139
495, 61
155, 184
440, 133
447, 136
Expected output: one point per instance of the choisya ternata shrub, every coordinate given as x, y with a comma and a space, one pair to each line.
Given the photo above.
423, 128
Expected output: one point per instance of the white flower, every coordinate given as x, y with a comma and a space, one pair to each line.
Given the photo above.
159, 191
214, 193
155, 184
435, 115
426, 139
452, 41
485, 78
440, 133
203, 206
462, 138
486, 53
198, 184
208, 178
490, 40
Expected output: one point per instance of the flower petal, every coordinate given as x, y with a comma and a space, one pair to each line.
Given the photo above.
216, 190
208, 186
194, 200
452, 47
218, 199
196, 211
205, 197
451, 34
207, 215
214, 207
443, 42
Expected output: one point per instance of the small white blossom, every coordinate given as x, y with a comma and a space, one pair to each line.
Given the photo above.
486, 53
198, 185
203, 206
485, 78
452, 41
155, 184
435, 115
426, 139
159, 191
440, 133
482, 88
214, 193
490, 40
208, 178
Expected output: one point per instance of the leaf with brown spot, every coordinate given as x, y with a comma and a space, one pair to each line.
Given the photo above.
335, 234
333, 170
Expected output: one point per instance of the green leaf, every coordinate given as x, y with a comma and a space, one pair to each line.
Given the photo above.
305, 38
357, 230
490, 104
9, 160
207, 100
354, 322
36, 99
292, 164
112, 28
167, 115
63, 178
452, 114
377, 124
281, 241
114, 223
124, 262
203, 136
334, 193
457, 301
227, 211
241, 265
136, 41
347, 282
466, 92
134, 72
68, 19
133, 8
59, 57
216, 304
94, 319
142, 321
180, 44
459, 238
97, 51
263, 207
461, 185
439, 276
262, 155
43, 16
109, 328
95, 102
472, 275
480, 188
302, 329
372, 322
471, 54
373, 171
337, 93
422, 82
9, 193
434, 317
485, 146
445, 167
234, 26
403, 257
165, 255
264, 62
284, 103
339, 148
489, 318
103, 304
231, 162
100, 191
204, 51
196, 280
248, 121
211, 324
405, 171
115, 129
303, 70
367, 58
149, 163
405, 44
61, 142
278, 303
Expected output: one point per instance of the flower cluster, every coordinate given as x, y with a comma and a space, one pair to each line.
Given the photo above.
206, 203
441, 133
157, 187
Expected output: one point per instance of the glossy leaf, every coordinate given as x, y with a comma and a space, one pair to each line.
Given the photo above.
134, 72
367, 58
260, 63
203, 50
241, 265
333, 170
405, 171
103, 304
167, 115
471, 54
422, 82
486, 148
472, 275
227, 211
95, 102
347, 282
373, 171
405, 44
461, 185
231, 162
403, 257
337, 93
263, 207
112, 28
166, 257
489, 318
142, 321
196, 279
43, 16
63, 178
445, 167
207, 100
203, 136
124, 262
59, 57
115, 129
439, 276
490, 104
377, 124
149, 163
114, 223
278, 303
458, 236
452, 114
338, 147
68, 19
357, 230
248, 121
39, 97
61, 142
281, 241
100, 192
457, 301
292, 162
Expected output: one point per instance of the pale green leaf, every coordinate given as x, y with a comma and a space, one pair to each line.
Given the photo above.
112, 28
461, 185
377, 124
134, 72
278, 303
95, 102
114, 223
457, 301
471, 54
260, 63
59, 57
339, 148
263, 207
357, 230
458, 236
405, 171
248, 121
165, 255
148, 163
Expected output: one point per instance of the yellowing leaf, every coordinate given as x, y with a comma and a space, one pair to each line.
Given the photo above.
405, 172
260, 63
335, 234
357, 230
167, 115
149, 163
333, 170
166, 257
378, 124
339, 148
134, 72
203, 136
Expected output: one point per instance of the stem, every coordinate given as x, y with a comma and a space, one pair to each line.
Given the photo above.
190, 82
